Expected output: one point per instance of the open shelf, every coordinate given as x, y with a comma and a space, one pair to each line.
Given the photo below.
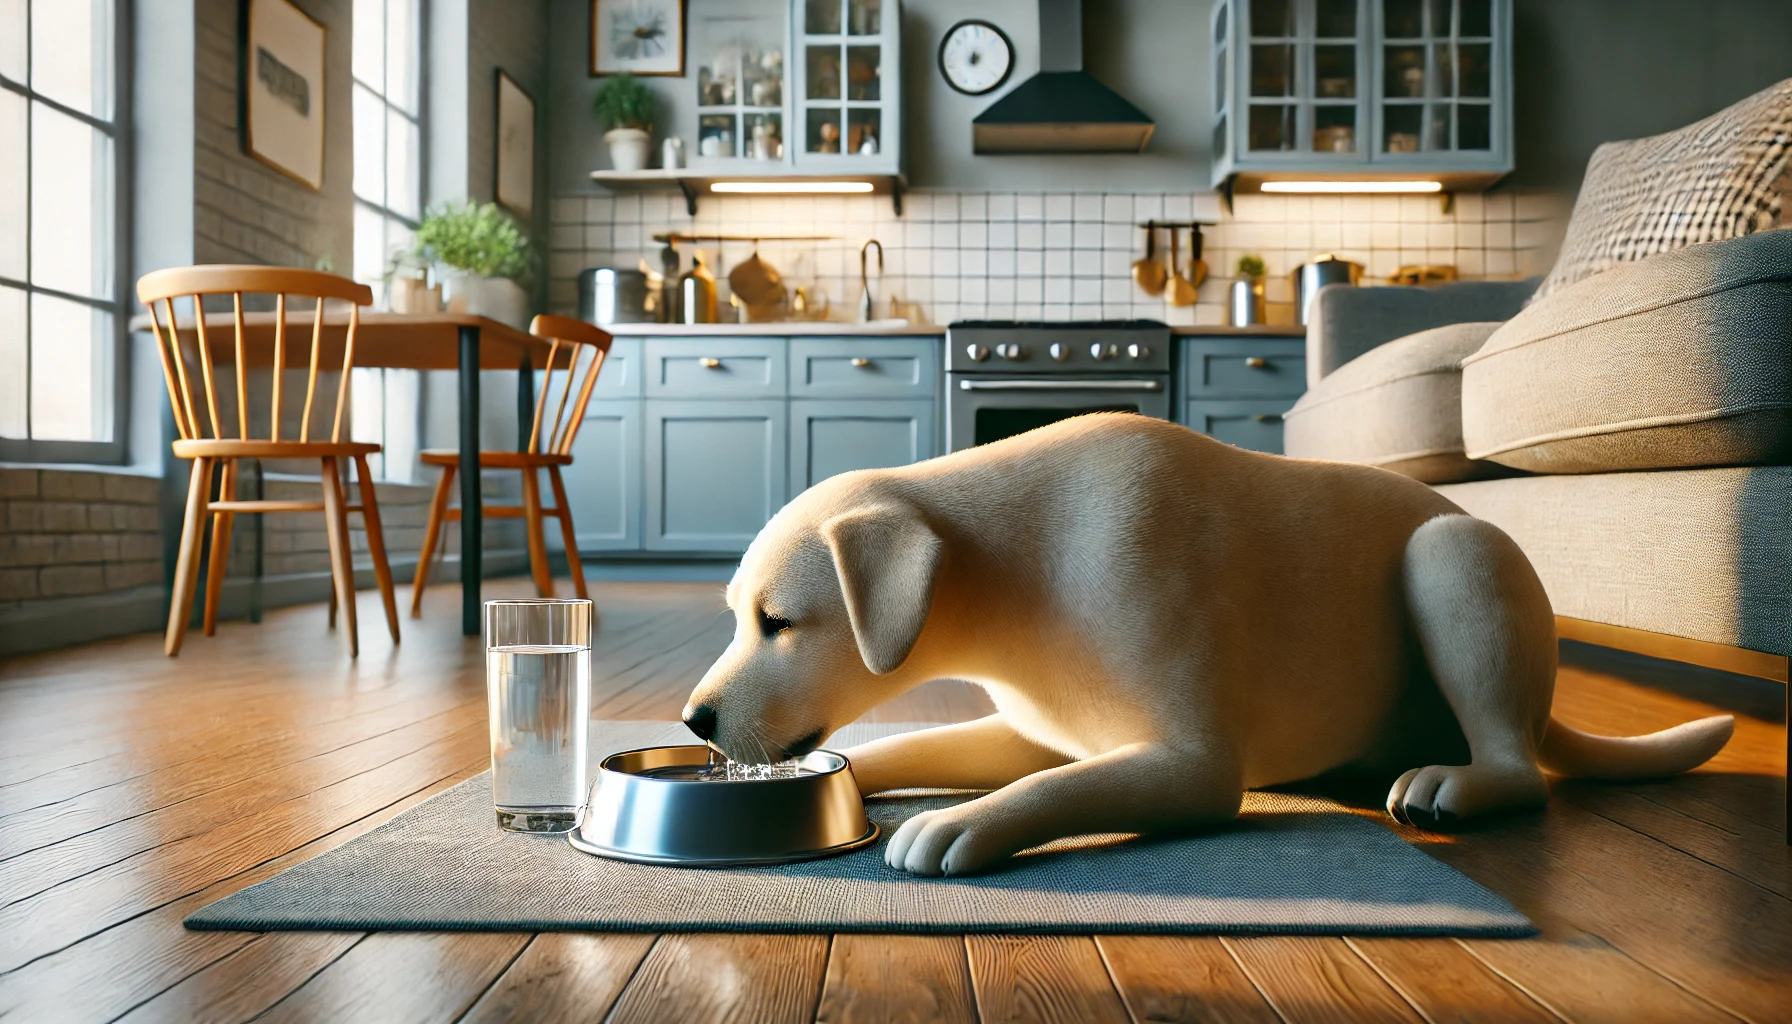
696, 182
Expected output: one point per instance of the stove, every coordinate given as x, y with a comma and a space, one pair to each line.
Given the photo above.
1005, 377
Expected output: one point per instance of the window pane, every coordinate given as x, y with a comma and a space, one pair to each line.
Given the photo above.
369, 41
69, 378
370, 147
12, 362
366, 412
71, 205
12, 39
73, 43
12, 184
403, 47
370, 245
403, 186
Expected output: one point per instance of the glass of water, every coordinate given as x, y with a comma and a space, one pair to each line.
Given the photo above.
538, 685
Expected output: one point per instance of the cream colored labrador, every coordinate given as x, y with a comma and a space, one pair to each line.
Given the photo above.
1163, 622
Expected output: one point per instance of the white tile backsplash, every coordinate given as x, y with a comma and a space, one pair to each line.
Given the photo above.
1033, 255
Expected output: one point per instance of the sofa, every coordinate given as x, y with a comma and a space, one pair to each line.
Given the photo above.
1627, 419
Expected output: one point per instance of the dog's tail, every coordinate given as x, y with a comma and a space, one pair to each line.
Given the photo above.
1568, 751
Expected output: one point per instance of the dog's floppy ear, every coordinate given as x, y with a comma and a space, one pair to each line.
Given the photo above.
886, 558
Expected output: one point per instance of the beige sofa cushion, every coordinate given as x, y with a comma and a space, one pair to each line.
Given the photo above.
1682, 359
1722, 177
1700, 553
1397, 406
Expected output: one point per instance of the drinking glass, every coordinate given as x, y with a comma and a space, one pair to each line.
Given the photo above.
538, 685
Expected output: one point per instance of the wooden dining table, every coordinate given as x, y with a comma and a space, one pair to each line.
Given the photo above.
409, 341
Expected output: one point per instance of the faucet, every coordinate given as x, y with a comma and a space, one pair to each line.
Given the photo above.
866, 306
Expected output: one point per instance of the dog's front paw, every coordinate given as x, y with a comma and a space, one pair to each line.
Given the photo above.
945, 842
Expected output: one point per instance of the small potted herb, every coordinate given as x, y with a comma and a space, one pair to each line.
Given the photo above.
484, 257
624, 106
1248, 306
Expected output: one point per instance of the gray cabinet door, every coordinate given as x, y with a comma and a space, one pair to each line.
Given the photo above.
864, 367
1248, 423
834, 437
718, 367
603, 484
716, 471
1244, 367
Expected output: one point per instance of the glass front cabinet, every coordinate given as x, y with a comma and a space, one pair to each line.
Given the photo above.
1362, 89
796, 87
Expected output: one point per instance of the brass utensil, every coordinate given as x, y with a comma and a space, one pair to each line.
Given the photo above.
1197, 267
755, 281
1149, 272
1181, 290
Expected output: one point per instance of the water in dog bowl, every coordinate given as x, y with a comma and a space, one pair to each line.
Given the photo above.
540, 704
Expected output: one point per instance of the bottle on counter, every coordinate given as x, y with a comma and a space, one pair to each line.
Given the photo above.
697, 293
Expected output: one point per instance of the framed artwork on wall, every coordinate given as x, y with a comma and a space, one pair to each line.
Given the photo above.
639, 37
514, 180
281, 88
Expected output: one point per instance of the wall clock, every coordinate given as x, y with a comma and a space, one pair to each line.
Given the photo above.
975, 57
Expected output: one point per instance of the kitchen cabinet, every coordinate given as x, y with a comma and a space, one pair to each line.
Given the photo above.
1237, 389
1362, 90
848, 86
690, 444
832, 437
715, 472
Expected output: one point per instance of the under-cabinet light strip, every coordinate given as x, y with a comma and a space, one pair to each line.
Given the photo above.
790, 187
1352, 186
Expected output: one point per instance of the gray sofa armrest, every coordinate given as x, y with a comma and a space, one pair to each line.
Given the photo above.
1348, 321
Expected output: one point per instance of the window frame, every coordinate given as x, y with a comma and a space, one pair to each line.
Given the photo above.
118, 129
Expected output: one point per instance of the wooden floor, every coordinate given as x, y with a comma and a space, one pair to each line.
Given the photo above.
135, 789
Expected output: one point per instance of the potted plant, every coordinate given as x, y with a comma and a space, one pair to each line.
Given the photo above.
1248, 306
485, 258
625, 107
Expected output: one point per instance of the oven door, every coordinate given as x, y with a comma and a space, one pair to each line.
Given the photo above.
981, 408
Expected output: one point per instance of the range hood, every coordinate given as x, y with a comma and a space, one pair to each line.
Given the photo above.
1062, 109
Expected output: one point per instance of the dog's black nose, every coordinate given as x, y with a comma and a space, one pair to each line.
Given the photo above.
701, 720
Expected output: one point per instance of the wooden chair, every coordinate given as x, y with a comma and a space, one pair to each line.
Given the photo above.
213, 451
550, 447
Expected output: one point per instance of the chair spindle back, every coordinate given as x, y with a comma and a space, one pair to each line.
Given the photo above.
575, 338
195, 283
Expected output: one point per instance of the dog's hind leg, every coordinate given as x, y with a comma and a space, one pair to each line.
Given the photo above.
983, 754
1489, 638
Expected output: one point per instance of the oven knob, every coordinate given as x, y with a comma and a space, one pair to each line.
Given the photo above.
977, 353
1011, 351
1103, 350
1059, 351
1138, 351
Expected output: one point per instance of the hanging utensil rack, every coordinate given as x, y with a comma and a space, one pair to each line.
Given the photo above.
675, 237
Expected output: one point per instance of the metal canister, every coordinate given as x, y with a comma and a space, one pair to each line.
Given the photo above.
1323, 270
1248, 307
608, 295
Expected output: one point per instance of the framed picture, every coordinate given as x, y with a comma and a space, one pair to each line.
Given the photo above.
282, 88
640, 37
515, 148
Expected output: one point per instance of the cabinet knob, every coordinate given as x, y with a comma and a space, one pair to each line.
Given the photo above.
861, 362
1257, 362
1268, 417
710, 363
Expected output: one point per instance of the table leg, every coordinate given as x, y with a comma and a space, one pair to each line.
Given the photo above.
525, 401
472, 517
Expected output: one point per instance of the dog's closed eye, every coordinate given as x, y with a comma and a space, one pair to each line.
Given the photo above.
770, 625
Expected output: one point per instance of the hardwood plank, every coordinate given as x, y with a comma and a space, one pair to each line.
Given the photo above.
1583, 978
1041, 978
887, 978
1177, 978
1663, 812
1447, 984
246, 982
1318, 981
562, 976
400, 977
728, 979
120, 967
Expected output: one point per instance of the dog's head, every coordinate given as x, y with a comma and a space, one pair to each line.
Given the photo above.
828, 602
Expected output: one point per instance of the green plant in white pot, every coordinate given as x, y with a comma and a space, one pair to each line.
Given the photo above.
624, 106
484, 258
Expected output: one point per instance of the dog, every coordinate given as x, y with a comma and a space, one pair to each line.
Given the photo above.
1162, 621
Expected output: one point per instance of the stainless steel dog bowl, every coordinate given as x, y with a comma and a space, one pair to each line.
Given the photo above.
635, 816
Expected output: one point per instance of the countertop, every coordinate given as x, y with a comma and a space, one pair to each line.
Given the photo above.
885, 329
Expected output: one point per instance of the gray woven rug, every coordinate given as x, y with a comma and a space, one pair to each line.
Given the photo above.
1289, 865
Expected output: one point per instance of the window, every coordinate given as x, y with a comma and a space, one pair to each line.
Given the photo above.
388, 108
59, 273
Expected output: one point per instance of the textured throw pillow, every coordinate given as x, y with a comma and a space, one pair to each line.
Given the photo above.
1723, 177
